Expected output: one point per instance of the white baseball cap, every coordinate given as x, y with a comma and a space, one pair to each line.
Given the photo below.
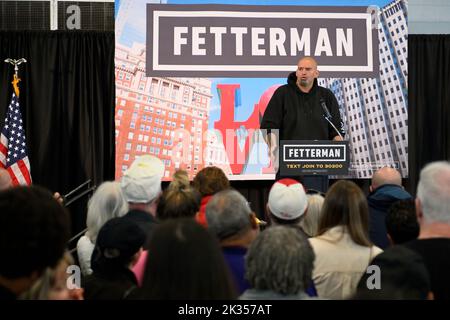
141, 183
287, 199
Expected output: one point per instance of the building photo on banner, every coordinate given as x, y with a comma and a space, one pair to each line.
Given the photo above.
193, 79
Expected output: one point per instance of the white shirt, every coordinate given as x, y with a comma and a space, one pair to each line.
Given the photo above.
84, 251
339, 263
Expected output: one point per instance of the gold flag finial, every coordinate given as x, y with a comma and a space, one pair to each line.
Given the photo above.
16, 80
15, 84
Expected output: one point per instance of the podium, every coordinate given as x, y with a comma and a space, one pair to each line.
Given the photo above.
309, 158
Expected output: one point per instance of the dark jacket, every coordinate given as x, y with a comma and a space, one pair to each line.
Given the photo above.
144, 220
436, 255
299, 115
109, 284
379, 202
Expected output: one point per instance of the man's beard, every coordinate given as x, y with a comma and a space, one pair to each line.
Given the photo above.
303, 82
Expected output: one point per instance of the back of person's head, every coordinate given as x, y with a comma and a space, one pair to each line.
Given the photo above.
35, 231
210, 180
228, 214
118, 243
287, 202
386, 175
141, 183
185, 263
401, 222
52, 285
345, 205
179, 199
402, 275
310, 223
280, 259
180, 179
106, 203
433, 192
5, 179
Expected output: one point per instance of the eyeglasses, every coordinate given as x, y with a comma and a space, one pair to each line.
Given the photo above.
261, 223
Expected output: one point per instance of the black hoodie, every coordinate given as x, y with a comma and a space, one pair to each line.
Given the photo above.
299, 115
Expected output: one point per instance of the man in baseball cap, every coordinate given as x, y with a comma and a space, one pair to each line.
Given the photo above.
287, 202
118, 248
287, 206
141, 186
141, 183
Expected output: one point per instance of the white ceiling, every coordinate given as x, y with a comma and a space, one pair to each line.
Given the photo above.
429, 16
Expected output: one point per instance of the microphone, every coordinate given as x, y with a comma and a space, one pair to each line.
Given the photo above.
327, 116
326, 112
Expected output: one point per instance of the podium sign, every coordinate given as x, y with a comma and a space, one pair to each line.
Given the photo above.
321, 157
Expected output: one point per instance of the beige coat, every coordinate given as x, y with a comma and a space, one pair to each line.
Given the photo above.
339, 263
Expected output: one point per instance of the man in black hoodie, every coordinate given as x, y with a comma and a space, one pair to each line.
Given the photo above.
295, 109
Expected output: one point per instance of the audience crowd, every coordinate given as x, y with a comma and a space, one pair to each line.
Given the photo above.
201, 240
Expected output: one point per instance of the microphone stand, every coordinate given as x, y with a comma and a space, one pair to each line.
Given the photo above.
327, 116
335, 129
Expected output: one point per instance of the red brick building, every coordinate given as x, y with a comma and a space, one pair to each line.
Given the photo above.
165, 117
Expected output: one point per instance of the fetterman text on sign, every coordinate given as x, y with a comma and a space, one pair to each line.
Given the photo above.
259, 41
314, 157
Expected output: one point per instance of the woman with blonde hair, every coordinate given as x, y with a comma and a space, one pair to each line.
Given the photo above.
310, 222
342, 247
52, 285
180, 179
179, 199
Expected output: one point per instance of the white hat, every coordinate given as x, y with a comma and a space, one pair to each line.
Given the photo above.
287, 199
141, 183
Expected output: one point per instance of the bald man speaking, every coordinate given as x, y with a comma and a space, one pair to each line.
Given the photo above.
298, 110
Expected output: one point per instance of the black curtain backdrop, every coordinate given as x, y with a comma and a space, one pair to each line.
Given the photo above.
67, 100
429, 102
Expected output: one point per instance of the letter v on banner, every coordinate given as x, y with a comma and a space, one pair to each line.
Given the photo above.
228, 128
13, 149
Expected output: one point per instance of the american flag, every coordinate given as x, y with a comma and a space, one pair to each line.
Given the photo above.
13, 149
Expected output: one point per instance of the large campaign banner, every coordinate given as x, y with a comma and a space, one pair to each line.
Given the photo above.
193, 79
